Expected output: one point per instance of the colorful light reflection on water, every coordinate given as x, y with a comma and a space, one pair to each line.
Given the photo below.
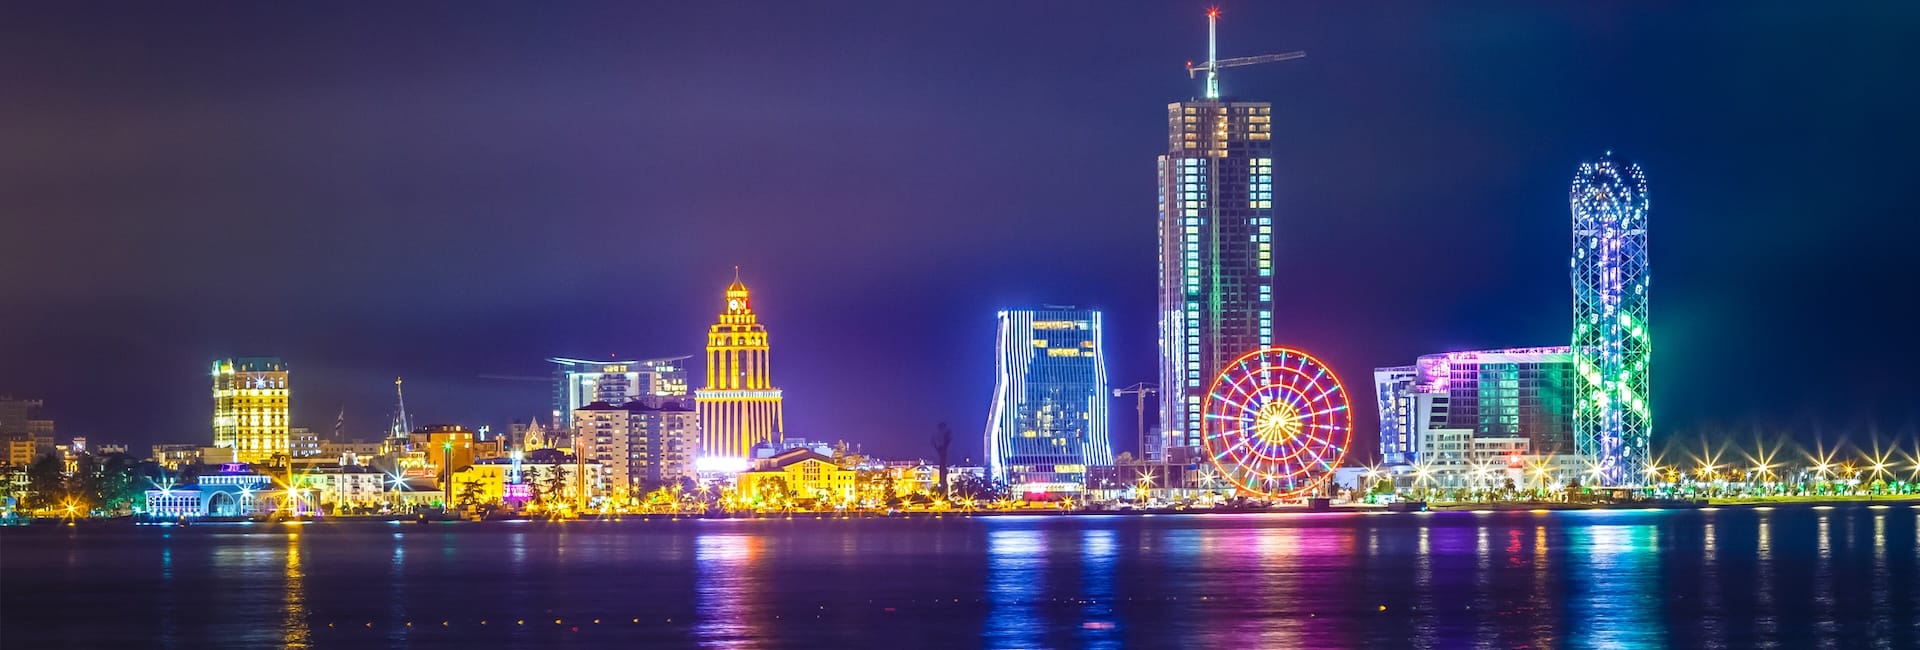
1791, 577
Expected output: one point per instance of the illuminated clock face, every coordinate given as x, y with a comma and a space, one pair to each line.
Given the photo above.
733, 304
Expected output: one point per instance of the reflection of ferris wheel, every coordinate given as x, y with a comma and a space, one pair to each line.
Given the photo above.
1277, 422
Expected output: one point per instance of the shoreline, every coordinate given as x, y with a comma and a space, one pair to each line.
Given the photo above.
1912, 501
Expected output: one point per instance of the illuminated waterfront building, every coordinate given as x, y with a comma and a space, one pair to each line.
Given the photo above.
1447, 405
345, 486
303, 442
1216, 249
235, 491
739, 407
1393, 386
1048, 420
639, 445
798, 475
250, 398
1613, 420
550, 476
579, 382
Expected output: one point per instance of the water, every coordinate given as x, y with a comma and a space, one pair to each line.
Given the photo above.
1791, 577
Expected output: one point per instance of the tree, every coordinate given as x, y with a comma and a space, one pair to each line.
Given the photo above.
889, 493
112, 482
46, 483
469, 494
942, 439
980, 488
556, 483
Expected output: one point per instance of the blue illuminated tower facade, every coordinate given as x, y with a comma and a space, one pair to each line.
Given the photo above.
1612, 419
1048, 420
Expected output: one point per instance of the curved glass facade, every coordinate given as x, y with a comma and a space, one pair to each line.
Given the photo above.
1048, 421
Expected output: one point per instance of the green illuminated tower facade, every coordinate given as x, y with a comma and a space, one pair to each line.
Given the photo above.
1612, 422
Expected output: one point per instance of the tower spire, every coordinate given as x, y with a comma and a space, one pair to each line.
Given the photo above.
401, 427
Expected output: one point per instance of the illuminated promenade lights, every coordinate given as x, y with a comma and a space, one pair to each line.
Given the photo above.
1609, 270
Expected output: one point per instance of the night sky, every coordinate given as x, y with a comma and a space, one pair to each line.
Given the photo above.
448, 190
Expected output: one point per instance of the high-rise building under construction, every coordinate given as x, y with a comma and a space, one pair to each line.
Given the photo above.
1216, 243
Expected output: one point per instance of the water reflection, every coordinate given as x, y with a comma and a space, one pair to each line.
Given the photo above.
1099, 627
729, 598
1791, 578
1882, 600
1763, 572
1016, 563
294, 606
1823, 581
1619, 603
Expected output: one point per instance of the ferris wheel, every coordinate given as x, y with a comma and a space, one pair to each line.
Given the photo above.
1276, 422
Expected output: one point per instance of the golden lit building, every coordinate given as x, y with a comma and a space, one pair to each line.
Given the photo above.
250, 408
805, 474
739, 407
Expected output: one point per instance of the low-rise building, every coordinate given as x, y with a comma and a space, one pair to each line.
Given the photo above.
235, 491
548, 476
343, 487
800, 475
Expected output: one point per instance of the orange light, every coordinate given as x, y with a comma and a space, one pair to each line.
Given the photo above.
1213, 12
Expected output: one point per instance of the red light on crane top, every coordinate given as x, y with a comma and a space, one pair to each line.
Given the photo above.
1213, 12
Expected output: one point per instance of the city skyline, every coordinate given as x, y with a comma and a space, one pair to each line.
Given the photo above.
1399, 232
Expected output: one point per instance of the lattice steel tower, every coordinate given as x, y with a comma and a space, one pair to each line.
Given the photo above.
1612, 424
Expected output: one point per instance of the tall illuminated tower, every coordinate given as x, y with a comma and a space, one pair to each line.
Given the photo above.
250, 408
1612, 423
1216, 242
739, 407
1048, 420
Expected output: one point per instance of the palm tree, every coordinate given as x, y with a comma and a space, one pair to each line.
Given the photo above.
942, 439
556, 487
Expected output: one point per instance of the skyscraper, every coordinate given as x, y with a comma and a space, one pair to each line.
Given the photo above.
1216, 250
1612, 419
1048, 421
250, 408
739, 407
579, 382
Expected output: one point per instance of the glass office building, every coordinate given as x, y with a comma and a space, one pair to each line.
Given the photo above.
1525, 393
1048, 420
579, 382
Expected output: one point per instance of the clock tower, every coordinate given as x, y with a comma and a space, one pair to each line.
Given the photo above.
738, 407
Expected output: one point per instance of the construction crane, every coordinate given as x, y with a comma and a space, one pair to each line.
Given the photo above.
1214, 63
1139, 392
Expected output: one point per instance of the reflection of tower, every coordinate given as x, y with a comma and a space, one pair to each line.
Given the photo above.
1612, 423
739, 407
